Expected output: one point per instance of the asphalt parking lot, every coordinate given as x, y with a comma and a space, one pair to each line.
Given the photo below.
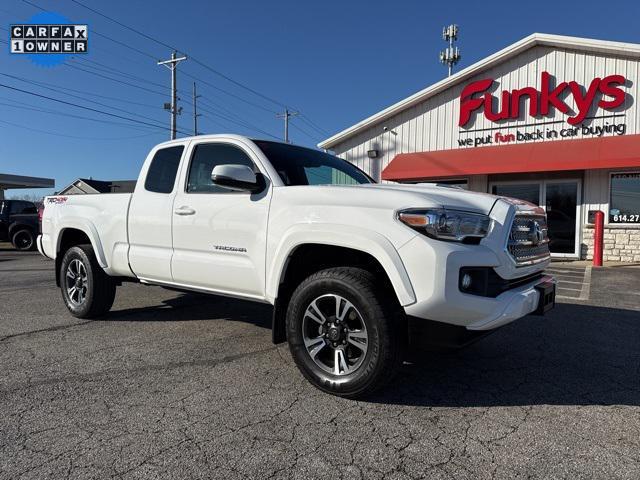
174, 385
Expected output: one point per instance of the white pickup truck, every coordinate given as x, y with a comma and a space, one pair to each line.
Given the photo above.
355, 270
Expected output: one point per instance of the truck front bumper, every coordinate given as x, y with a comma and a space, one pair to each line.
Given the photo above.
434, 269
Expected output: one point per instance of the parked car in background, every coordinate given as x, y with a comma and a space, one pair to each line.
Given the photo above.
19, 223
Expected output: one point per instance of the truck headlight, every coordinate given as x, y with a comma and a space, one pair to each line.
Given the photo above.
443, 224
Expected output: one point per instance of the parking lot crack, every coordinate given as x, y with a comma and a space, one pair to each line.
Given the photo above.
42, 330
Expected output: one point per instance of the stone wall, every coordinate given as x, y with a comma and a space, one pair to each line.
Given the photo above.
621, 243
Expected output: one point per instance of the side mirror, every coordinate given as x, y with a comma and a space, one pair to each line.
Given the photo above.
239, 178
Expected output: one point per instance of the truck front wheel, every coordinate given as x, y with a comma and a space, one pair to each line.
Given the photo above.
87, 291
345, 334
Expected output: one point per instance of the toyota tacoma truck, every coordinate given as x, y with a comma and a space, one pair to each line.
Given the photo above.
356, 271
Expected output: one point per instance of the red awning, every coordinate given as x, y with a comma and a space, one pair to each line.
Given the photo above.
583, 154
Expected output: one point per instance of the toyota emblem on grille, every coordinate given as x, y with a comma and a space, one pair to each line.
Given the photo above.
536, 233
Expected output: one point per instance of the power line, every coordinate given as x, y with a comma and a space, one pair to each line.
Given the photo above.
101, 67
216, 106
305, 132
230, 116
27, 92
76, 67
194, 59
107, 68
237, 122
66, 89
94, 32
313, 125
125, 26
58, 90
237, 97
241, 123
88, 69
151, 56
57, 134
126, 75
229, 79
34, 108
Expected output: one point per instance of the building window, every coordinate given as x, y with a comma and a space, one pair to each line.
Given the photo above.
624, 204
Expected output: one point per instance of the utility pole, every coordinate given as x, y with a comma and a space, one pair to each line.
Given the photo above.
286, 116
195, 110
172, 65
450, 55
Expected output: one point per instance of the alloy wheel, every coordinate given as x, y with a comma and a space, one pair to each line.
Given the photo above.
76, 282
334, 334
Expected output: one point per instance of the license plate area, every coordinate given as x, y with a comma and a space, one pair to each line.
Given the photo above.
547, 291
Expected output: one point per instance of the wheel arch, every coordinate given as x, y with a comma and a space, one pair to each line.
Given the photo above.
15, 226
70, 236
303, 258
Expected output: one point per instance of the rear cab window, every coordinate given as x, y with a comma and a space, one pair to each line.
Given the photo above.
161, 175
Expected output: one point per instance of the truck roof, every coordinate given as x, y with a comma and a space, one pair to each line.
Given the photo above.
213, 137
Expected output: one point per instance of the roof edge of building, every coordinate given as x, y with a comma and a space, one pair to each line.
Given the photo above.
576, 43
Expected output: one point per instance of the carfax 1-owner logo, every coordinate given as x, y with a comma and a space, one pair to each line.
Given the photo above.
48, 39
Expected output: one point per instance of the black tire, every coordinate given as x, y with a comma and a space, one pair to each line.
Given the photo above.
23, 240
375, 307
99, 288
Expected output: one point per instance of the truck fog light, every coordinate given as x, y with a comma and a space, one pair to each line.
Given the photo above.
466, 281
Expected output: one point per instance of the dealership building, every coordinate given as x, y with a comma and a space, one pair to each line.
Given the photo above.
553, 120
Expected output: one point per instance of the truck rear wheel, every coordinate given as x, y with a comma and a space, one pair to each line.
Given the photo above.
345, 335
88, 292
23, 240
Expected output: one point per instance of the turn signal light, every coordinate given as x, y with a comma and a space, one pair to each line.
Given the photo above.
414, 219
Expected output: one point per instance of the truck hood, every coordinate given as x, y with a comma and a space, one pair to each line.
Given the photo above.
389, 196
434, 195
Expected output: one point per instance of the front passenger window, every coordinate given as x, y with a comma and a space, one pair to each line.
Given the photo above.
208, 155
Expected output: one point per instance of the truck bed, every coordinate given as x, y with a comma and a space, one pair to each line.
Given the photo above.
103, 216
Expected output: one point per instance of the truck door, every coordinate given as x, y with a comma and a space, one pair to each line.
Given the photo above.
219, 236
151, 214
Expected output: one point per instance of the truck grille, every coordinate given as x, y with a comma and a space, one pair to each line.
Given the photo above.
529, 239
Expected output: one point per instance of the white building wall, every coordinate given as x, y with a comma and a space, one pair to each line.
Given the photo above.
433, 124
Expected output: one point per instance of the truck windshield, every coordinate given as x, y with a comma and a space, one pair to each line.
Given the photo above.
304, 166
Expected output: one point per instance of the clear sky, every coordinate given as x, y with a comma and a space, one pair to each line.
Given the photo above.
334, 61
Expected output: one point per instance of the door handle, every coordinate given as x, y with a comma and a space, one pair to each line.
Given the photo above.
184, 211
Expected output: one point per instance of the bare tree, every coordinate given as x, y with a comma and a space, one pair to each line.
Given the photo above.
29, 197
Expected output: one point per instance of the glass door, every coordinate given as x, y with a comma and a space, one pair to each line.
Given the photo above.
563, 219
529, 192
561, 201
